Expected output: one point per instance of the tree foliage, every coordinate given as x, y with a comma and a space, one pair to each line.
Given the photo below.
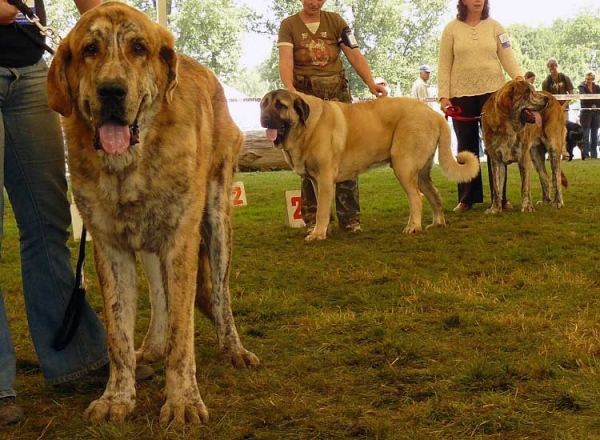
396, 36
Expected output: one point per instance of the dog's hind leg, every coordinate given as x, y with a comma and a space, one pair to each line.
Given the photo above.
116, 270
217, 235
525, 172
155, 341
432, 195
555, 166
409, 179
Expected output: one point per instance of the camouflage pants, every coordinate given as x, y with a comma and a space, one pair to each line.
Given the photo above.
347, 204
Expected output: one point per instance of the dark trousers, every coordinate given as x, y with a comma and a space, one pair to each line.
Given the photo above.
469, 139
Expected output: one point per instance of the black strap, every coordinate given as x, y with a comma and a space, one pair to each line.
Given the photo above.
74, 310
26, 10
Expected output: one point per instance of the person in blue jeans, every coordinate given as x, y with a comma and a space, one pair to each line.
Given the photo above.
32, 170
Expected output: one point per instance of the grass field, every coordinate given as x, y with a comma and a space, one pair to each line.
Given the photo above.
486, 329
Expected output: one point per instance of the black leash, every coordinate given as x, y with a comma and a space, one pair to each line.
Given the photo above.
74, 310
46, 31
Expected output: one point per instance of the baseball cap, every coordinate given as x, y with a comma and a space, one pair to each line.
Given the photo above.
425, 68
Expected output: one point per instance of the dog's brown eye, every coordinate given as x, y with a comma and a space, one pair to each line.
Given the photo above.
280, 106
90, 50
138, 49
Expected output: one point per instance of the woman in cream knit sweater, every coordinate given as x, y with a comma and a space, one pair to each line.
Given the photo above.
475, 51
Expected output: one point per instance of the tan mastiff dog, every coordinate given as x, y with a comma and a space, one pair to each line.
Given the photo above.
331, 141
518, 123
152, 152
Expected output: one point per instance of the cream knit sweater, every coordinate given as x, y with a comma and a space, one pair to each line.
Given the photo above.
472, 59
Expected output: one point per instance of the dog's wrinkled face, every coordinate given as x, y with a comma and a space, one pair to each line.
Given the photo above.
280, 112
110, 70
522, 103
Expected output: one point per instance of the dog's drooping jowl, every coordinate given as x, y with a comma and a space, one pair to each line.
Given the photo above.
330, 141
152, 153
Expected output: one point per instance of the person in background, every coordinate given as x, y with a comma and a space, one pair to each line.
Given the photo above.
310, 43
530, 77
558, 83
475, 50
33, 174
589, 118
420, 88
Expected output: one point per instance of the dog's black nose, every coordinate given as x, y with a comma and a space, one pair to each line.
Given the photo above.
112, 91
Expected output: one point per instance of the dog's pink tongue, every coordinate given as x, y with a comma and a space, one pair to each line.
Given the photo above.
271, 134
538, 118
114, 138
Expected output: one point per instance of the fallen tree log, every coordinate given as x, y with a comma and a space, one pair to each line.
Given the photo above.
259, 154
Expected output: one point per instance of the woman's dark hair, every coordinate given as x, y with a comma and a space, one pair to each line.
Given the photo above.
462, 10
529, 74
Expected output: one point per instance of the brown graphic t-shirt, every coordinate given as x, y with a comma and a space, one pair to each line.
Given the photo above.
318, 53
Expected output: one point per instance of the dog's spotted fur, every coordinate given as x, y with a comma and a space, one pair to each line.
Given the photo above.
510, 132
166, 197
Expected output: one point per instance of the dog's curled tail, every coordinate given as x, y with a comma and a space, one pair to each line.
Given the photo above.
466, 165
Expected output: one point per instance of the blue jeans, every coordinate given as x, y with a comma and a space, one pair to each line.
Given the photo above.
33, 173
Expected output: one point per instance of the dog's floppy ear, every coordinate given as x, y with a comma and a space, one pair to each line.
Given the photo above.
302, 109
59, 95
169, 58
505, 97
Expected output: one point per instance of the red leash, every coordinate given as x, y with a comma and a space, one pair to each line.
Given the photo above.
455, 111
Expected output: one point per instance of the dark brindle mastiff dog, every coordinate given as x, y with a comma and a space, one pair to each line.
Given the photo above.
158, 183
334, 141
515, 120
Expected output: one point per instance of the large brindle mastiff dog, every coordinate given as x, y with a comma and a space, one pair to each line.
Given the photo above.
331, 141
152, 152
522, 125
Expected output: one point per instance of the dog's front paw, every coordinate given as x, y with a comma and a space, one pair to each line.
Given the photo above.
493, 210
411, 229
240, 358
558, 204
313, 236
184, 410
527, 207
109, 410
436, 226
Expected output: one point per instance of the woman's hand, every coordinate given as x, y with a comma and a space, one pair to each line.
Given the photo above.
378, 90
8, 13
444, 104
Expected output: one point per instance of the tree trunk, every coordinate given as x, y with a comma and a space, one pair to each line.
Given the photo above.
259, 154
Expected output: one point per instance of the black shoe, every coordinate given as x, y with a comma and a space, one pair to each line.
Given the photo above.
10, 412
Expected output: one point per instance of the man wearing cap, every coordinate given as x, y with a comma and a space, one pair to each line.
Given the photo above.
420, 88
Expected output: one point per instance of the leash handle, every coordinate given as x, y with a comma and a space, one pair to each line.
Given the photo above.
47, 31
455, 112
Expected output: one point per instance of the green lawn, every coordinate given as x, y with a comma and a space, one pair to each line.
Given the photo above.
486, 329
